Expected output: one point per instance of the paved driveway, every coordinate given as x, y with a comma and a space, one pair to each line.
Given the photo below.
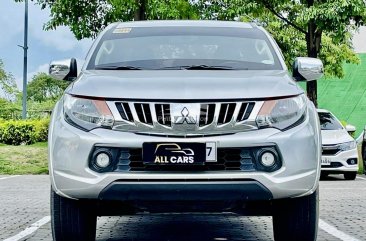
24, 214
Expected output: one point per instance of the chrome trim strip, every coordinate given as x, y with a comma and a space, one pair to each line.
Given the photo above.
143, 112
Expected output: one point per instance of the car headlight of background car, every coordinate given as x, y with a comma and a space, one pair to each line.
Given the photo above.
282, 113
348, 146
87, 113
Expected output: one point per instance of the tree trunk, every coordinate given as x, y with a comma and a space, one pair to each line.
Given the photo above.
140, 13
313, 40
311, 86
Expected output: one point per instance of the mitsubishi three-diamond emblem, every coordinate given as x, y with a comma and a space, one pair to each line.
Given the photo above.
185, 118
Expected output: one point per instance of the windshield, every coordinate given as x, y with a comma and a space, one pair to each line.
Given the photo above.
329, 122
184, 48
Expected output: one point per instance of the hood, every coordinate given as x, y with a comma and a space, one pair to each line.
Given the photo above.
330, 137
184, 84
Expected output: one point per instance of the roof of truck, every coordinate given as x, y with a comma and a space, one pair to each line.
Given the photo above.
187, 23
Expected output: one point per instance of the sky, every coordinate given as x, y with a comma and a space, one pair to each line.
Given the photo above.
45, 46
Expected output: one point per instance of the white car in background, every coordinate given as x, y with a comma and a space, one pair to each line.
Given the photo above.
339, 154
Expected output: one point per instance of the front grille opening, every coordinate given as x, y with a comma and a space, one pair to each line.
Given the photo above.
228, 159
244, 159
226, 113
330, 151
163, 114
245, 111
143, 113
207, 114
125, 111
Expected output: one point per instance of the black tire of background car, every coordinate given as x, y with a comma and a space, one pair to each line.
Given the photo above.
350, 175
72, 220
364, 155
296, 218
323, 175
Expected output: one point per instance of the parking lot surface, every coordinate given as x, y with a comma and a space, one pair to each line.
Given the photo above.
24, 215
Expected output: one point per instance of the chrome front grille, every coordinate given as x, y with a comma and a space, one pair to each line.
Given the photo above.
185, 119
331, 150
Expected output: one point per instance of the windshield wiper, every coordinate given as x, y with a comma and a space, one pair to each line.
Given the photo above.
200, 67
122, 67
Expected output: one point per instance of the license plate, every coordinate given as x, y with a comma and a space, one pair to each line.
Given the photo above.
325, 161
178, 153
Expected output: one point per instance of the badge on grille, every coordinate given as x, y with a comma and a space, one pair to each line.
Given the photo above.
185, 116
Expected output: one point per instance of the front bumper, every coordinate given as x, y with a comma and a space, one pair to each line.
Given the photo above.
339, 164
71, 176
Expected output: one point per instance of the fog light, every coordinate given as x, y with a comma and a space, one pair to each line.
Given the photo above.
352, 161
103, 160
268, 159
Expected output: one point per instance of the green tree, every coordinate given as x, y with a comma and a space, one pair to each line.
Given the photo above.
8, 109
7, 83
314, 28
87, 17
44, 88
324, 25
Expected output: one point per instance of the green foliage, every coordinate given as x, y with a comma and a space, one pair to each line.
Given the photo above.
43, 88
302, 28
41, 129
332, 54
81, 17
17, 132
43, 92
8, 109
23, 132
7, 83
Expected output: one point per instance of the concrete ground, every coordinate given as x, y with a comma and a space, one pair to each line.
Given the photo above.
24, 215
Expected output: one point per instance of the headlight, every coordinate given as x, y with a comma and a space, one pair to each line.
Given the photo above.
282, 113
87, 113
348, 146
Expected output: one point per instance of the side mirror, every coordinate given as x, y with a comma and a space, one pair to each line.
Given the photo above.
350, 128
64, 69
307, 69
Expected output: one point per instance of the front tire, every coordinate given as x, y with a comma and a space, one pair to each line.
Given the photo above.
296, 218
350, 175
323, 175
72, 219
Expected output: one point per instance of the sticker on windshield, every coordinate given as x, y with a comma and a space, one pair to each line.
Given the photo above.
122, 30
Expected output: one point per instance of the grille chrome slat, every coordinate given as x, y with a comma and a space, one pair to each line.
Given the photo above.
226, 113
163, 114
162, 111
207, 114
143, 113
124, 110
245, 111
189, 120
